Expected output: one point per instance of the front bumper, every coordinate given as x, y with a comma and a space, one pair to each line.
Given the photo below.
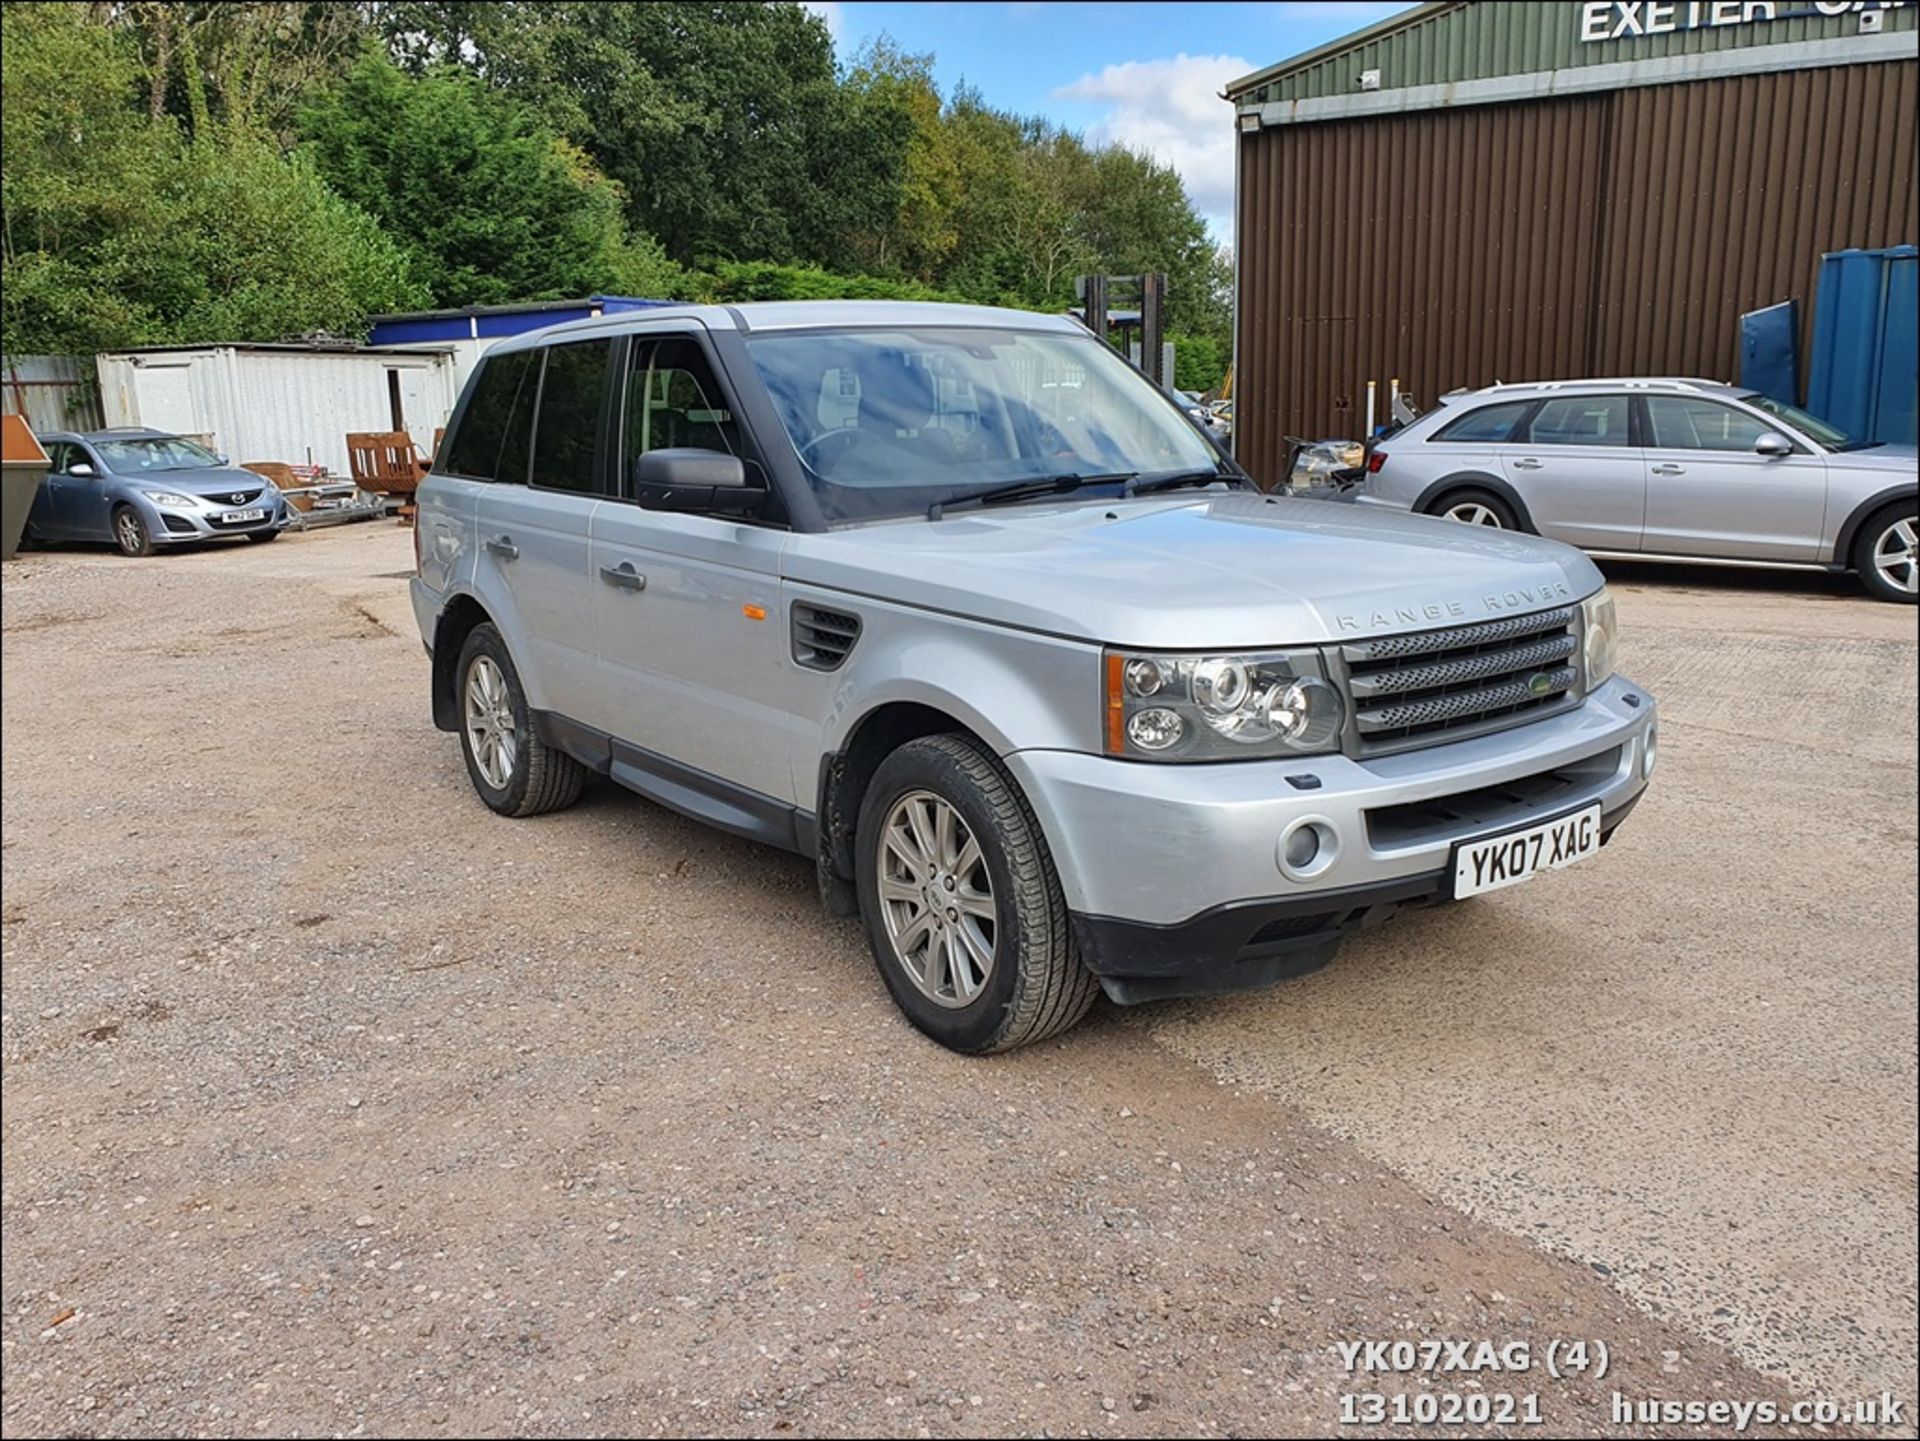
174, 525
1174, 875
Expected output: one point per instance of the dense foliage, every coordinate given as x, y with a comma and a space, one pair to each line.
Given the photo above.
124, 230
247, 170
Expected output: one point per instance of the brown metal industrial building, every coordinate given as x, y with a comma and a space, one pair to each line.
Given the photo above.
1471, 192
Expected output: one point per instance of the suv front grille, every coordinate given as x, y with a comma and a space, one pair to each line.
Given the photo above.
1441, 685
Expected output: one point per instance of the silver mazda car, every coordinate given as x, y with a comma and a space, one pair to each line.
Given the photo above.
140, 489
1689, 470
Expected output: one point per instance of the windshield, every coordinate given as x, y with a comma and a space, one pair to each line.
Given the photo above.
143, 457
887, 422
1831, 436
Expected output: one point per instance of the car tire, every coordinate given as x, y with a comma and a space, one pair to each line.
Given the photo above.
994, 870
1884, 554
514, 772
130, 532
261, 537
1476, 507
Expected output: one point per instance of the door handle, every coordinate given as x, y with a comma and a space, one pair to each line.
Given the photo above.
503, 547
624, 576
1669, 470
1526, 464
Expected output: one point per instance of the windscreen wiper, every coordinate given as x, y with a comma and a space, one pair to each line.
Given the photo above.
1137, 486
1028, 490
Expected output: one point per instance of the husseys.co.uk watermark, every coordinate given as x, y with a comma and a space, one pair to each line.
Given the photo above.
1562, 1359
1882, 1410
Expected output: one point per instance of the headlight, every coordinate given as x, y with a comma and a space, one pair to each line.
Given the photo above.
167, 497
1602, 629
1220, 707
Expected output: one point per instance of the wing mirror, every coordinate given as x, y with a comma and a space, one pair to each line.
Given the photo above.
1773, 445
696, 480
80, 467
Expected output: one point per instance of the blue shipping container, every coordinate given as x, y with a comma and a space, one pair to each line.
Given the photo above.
1864, 374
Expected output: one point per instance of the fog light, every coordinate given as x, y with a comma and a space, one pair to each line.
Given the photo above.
1307, 849
1303, 848
1649, 753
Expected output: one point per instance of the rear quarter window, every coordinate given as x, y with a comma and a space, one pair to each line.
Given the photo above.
1489, 425
473, 450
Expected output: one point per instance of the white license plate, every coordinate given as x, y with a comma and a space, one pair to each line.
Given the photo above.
1516, 856
241, 517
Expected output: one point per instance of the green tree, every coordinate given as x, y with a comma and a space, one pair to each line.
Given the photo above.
118, 231
726, 123
1199, 361
245, 63
490, 205
742, 280
919, 236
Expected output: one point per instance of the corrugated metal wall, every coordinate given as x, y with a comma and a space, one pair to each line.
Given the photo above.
1616, 233
1723, 196
1477, 41
53, 392
278, 405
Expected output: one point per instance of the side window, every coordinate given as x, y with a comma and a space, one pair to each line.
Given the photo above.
573, 397
1490, 425
674, 402
60, 456
473, 450
1580, 420
516, 447
1681, 424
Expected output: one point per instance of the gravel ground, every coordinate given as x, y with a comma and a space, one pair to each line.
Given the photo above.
1690, 1065
333, 1103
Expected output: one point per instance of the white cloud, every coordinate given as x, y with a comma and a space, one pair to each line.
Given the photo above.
1172, 110
829, 11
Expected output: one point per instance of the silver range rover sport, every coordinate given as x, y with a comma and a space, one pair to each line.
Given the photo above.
955, 603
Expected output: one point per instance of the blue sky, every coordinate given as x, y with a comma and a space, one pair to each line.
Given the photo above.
1144, 74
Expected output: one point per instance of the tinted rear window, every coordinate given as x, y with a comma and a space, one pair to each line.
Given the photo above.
473, 450
571, 401
1489, 424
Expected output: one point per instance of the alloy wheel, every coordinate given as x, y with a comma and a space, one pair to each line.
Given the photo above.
1472, 512
937, 899
128, 526
1897, 556
489, 714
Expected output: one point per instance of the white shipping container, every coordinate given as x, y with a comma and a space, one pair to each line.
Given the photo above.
291, 403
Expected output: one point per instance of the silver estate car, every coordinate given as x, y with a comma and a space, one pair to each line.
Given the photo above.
139, 489
958, 605
1660, 469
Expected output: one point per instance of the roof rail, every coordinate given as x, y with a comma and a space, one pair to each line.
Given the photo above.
1691, 384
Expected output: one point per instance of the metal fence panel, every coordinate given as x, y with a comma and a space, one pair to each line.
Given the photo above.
52, 392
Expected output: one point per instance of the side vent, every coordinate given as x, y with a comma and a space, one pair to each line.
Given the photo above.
822, 639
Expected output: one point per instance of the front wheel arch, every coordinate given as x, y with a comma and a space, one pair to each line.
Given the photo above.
845, 775
1866, 510
1876, 582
